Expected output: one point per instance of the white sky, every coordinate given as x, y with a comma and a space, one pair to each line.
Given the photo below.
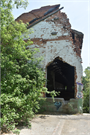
78, 12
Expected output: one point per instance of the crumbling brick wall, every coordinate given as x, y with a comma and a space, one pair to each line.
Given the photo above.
55, 38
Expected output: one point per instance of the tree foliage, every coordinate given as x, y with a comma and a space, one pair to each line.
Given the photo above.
86, 90
22, 78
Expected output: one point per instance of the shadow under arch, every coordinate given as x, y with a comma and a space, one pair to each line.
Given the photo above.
60, 77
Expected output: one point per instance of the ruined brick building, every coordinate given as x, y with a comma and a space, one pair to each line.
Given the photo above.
61, 48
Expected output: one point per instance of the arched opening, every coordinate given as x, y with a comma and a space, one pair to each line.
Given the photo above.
60, 77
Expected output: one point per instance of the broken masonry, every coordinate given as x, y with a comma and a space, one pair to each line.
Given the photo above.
61, 49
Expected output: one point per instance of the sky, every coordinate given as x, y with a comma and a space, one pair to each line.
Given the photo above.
78, 12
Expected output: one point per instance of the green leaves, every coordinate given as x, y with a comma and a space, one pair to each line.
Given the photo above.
22, 78
86, 92
11, 3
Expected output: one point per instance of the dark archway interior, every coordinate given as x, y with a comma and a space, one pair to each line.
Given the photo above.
60, 77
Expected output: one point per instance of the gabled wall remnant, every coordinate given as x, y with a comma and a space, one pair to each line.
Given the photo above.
60, 47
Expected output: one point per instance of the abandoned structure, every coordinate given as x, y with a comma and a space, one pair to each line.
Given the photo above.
61, 48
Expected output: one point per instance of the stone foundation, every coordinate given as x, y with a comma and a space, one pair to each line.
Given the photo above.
59, 105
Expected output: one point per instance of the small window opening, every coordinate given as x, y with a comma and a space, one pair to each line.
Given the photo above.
73, 36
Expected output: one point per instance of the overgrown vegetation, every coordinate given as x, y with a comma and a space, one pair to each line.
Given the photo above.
22, 78
86, 90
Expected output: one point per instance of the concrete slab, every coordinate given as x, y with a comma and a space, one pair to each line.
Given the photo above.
58, 125
46, 125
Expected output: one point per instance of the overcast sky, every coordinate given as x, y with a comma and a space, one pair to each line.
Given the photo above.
78, 12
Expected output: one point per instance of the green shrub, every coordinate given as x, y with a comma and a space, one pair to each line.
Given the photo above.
86, 101
86, 90
22, 78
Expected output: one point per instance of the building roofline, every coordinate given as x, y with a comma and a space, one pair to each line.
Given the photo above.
44, 18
